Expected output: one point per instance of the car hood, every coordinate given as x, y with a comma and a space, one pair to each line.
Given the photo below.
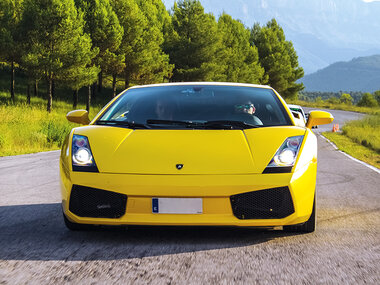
122, 150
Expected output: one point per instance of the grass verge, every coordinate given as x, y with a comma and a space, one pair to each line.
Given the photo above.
28, 129
354, 149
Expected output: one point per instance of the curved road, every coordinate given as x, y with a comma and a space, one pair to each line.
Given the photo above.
36, 248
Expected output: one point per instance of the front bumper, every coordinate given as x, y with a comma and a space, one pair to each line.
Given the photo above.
215, 190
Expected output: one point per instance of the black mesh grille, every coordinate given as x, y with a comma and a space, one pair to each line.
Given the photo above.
96, 203
275, 203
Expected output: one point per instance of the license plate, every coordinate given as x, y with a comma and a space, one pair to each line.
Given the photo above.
177, 205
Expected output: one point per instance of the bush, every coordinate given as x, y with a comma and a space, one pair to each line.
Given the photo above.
367, 100
56, 131
376, 94
346, 99
333, 100
319, 99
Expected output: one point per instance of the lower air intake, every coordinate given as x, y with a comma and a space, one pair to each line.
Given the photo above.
275, 203
96, 203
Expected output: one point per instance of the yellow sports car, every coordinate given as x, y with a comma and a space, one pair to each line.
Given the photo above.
210, 154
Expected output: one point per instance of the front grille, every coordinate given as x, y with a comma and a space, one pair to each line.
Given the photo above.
275, 203
96, 203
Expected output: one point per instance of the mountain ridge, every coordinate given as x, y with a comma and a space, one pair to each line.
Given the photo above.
358, 74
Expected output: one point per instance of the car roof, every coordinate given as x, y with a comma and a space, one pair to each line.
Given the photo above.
203, 83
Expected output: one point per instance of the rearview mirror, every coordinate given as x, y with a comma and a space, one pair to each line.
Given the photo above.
78, 116
319, 118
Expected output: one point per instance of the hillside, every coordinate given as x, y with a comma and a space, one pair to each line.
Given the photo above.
359, 74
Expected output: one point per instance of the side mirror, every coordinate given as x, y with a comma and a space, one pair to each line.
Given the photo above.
78, 116
319, 118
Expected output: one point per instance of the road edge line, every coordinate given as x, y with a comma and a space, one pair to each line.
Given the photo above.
349, 156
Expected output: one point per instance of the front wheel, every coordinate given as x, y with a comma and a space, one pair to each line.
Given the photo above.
308, 227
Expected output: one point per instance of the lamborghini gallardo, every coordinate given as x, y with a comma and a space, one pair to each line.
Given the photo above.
199, 154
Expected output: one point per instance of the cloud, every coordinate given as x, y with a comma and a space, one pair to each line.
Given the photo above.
367, 1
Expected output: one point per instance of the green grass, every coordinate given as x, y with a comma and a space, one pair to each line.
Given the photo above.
365, 132
354, 149
360, 139
29, 129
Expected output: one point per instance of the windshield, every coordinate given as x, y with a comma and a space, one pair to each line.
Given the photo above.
196, 106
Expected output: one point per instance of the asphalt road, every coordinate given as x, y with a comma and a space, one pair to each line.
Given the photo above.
36, 248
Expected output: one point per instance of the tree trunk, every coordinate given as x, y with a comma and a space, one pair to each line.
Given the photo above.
49, 94
94, 91
127, 75
13, 82
53, 89
36, 88
114, 85
88, 99
75, 98
100, 81
28, 94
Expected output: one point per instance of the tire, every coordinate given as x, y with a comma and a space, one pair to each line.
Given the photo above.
308, 227
75, 226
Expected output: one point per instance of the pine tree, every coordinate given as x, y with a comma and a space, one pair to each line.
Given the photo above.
143, 23
194, 45
115, 67
239, 59
10, 39
278, 57
155, 65
103, 26
56, 45
134, 22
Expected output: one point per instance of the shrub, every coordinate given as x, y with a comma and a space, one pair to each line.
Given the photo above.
319, 99
376, 94
346, 99
56, 131
333, 100
367, 100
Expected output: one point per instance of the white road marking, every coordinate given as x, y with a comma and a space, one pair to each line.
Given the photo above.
349, 156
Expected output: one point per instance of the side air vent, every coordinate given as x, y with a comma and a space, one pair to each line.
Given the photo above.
274, 203
96, 203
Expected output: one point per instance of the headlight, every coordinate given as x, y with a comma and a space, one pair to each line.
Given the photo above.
285, 156
82, 156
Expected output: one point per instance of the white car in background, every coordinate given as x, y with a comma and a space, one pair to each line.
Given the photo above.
298, 114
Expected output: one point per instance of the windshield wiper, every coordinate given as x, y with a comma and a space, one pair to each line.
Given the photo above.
131, 125
187, 124
220, 124
227, 124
